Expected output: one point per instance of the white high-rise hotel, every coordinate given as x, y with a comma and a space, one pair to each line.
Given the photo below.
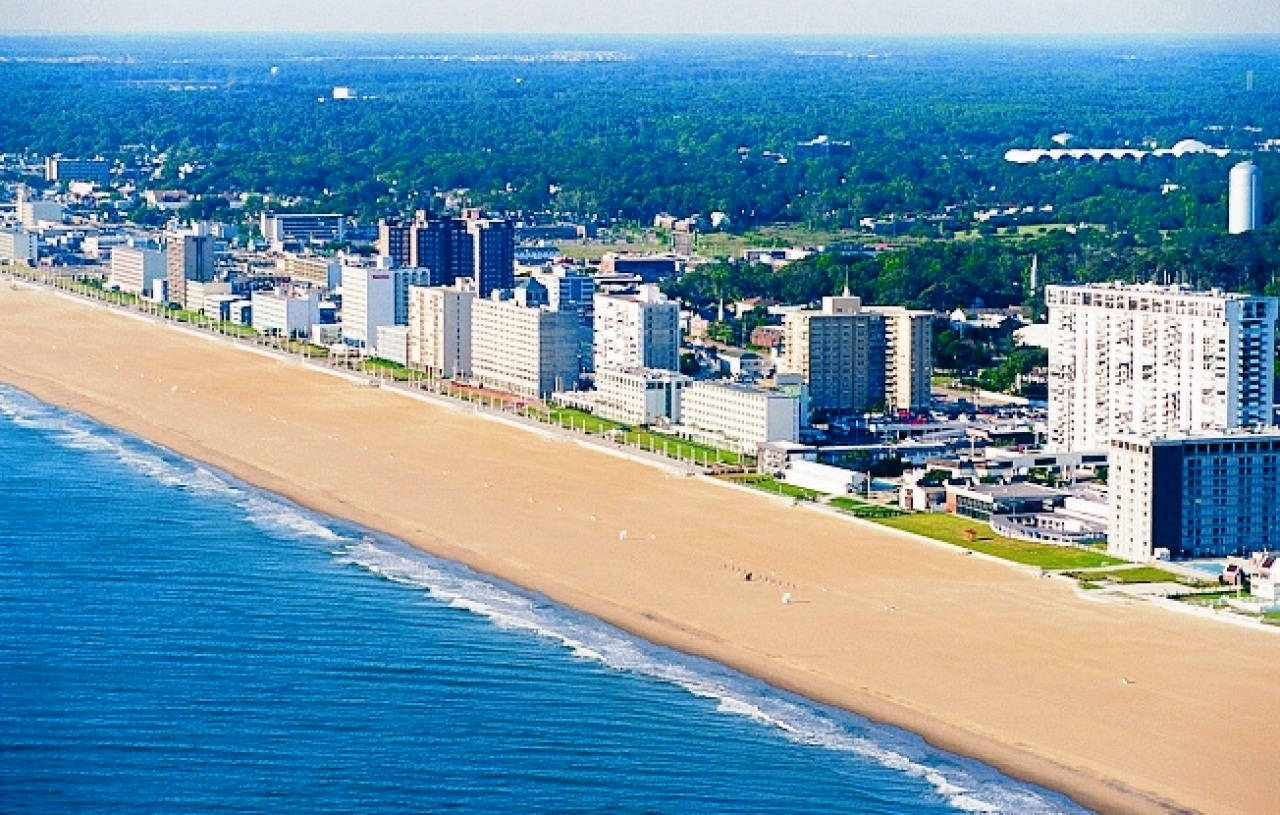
1153, 359
637, 331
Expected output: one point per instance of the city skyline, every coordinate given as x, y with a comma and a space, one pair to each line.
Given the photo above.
805, 17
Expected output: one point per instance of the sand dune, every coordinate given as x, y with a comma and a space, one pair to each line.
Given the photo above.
982, 659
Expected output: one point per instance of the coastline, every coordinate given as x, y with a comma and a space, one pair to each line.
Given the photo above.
551, 521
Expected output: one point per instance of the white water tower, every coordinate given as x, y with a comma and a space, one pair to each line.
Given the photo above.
1244, 208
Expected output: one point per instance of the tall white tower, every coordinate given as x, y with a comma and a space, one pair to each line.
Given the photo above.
1245, 204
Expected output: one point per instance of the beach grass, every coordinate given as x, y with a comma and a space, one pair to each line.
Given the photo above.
952, 529
863, 509
1137, 574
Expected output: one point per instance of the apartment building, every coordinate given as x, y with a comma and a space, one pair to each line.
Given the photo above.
526, 350
839, 349
636, 331
440, 330
741, 417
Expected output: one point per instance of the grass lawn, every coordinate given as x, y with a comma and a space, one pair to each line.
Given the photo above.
1138, 574
771, 485
951, 529
862, 509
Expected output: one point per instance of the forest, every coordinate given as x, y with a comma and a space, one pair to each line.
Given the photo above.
629, 127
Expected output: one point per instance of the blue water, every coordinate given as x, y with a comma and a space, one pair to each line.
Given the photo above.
173, 640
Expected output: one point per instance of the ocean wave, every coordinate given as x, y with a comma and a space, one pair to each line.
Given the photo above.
966, 786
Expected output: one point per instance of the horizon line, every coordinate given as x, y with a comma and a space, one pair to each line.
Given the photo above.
992, 35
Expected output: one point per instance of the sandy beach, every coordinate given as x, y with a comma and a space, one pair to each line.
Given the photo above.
982, 659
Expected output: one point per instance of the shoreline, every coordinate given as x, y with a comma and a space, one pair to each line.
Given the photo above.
700, 631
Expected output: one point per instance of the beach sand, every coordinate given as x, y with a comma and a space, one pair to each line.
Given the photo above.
981, 658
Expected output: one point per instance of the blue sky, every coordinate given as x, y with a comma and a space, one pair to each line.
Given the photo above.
926, 17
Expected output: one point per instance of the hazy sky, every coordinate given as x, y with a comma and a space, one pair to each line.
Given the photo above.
651, 16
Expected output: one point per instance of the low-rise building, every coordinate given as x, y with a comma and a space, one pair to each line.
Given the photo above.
640, 396
393, 344
288, 312
739, 416
317, 270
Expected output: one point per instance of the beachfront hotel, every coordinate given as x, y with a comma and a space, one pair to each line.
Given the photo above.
740, 417
135, 270
188, 257
522, 348
374, 296
839, 349
1150, 359
637, 331
639, 396
440, 329
1194, 495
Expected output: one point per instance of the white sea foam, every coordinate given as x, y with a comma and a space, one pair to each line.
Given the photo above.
964, 785
967, 786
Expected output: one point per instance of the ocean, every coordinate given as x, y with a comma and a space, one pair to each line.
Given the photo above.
175, 640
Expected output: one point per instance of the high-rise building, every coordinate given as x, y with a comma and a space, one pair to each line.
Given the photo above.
442, 245
393, 242
637, 331
188, 256
569, 288
440, 330
1244, 206
840, 351
908, 366
526, 350
493, 253
1150, 359
1200, 495
134, 270
377, 295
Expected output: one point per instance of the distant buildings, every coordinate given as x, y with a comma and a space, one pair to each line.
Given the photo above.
648, 268
822, 146
188, 256
482, 249
303, 228
522, 349
1155, 359
1199, 495
32, 212
441, 244
319, 271
439, 338
60, 168
572, 289
1244, 207
840, 351
637, 331
136, 270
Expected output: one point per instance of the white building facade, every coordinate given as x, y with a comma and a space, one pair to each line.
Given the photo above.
136, 270
1155, 359
526, 350
637, 331
285, 312
1201, 495
739, 416
440, 330
640, 396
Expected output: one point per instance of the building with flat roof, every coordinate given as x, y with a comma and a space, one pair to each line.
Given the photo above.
441, 244
526, 350
1156, 359
493, 252
908, 367
61, 168
317, 270
741, 417
392, 343
439, 338
653, 268
135, 270
570, 288
286, 311
839, 349
19, 246
640, 396
1194, 495
32, 212
637, 331
374, 296
188, 257
302, 227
